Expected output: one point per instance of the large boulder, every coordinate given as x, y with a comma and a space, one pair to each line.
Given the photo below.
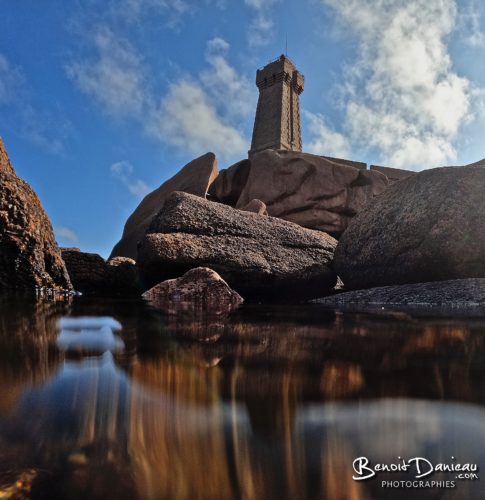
194, 178
29, 255
428, 227
256, 255
309, 190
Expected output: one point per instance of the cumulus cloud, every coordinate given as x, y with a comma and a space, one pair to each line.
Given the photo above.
227, 87
261, 26
66, 234
114, 77
325, 140
124, 172
197, 113
187, 119
402, 97
206, 113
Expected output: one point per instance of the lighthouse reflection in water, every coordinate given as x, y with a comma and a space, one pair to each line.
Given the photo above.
109, 400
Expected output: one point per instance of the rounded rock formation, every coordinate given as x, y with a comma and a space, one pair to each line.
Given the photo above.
428, 227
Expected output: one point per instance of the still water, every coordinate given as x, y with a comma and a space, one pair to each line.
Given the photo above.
112, 400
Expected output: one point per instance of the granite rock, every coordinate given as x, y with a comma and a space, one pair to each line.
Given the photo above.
260, 257
29, 255
194, 178
428, 227
311, 191
452, 294
92, 275
255, 206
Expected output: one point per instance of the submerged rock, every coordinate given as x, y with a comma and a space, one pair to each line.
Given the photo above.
29, 255
309, 190
261, 257
194, 178
451, 294
428, 227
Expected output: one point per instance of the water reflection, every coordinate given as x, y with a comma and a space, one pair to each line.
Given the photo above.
106, 400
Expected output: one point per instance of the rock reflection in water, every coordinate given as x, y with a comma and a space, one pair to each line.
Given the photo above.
278, 408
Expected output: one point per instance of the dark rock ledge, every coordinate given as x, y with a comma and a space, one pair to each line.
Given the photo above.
452, 294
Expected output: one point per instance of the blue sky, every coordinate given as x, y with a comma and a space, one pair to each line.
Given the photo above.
103, 100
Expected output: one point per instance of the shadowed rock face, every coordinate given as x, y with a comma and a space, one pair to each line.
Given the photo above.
194, 178
258, 256
29, 255
309, 190
428, 227
451, 295
91, 274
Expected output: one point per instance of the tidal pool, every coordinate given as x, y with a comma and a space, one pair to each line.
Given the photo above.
113, 400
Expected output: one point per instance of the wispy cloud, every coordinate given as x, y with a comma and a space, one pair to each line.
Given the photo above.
324, 140
124, 172
206, 113
66, 234
197, 113
10, 80
470, 21
229, 89
262, 26
46, 128
189, 120
402, 96
114, 77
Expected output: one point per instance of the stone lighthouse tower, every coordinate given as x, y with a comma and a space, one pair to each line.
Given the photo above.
277, 123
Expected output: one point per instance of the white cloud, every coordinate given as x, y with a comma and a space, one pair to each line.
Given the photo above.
324, 141
207, 113
115, 77
231, 90
196, 114
187, 119
261, 26
66, 234
124, 172
402, 96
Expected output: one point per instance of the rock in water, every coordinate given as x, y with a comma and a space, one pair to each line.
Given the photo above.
309, 190
29, 255
259, 256
198, 304
194, 178
200, 290
428, 227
